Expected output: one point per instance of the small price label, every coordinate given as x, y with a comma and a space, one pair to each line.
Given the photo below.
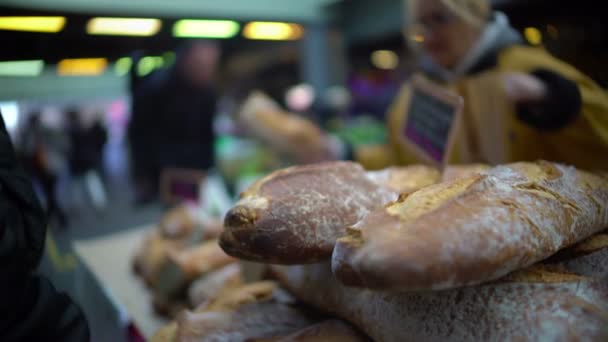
432, 116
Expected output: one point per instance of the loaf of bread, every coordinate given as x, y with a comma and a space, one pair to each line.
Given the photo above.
294, 215
285, 132
152, 255
252, 312
211, 284
473, 230
183, 266
534, 305
186, 222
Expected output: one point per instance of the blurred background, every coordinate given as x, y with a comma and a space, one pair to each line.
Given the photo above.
104, 98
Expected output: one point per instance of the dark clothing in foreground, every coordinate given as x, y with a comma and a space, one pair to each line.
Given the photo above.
30, 307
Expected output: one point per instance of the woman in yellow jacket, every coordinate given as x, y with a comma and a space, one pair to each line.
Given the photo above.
520, 103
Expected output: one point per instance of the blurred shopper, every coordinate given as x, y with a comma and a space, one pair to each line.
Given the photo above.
30, 307
520, 103
85, 159
550, 110
172, 119
44, 153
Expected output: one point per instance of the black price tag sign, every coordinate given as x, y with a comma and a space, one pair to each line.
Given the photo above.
181, 185
430, 122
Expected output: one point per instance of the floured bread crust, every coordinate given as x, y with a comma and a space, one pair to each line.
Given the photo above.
452, 172
471, 230
295, 215
250, 312
405, 179
538, 306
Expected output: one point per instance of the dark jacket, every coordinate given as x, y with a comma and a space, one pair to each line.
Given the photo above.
172, 122
30, 307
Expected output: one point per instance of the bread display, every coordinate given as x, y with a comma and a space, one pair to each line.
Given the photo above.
176, 258
517, 252
473, 230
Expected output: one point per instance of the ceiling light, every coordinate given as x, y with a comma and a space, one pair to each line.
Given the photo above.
264, 30
385, 59
32, 24
82, 66
533, 35
148, 64
123, 26
189, 28
21, 68
123, 66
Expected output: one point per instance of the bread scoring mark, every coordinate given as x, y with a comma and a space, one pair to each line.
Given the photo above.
428, 199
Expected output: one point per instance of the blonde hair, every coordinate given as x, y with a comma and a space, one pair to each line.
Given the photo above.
474, 12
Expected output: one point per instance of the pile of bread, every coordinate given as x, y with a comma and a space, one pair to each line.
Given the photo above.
514, 252
180, 261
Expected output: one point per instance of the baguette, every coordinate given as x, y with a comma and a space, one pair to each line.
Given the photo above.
152, 255
183, 266
294, 216
209, 285
285, 132
531, 306
255, 311
473, 230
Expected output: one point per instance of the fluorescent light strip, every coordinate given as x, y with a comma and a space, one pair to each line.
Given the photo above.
123, 66
21, 68
265, 30
33, 24
82, 66
385, 59
190, 28
148, 64
123, 26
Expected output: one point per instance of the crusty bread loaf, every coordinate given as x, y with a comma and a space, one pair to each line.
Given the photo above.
211, 284
247, 313
151, 256
295, 215
537, 306
285, 132
183, 266
473, 230
186, 222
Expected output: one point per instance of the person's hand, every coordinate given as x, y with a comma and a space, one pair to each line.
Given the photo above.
521, 88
